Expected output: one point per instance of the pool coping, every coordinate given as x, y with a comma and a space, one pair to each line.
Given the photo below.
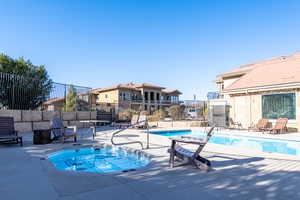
224, 133
176, 130
271, 155
100, 145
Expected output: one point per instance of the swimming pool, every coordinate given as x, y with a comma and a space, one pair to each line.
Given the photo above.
281, 146
99, 160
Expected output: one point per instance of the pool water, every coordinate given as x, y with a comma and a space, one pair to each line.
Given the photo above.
290, 147
99, 160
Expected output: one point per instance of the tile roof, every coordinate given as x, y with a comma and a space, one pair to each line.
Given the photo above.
53, 100
148, 85
249, 67
131, 86
58, 99
171, 91
275, 71
95, 91
118, 86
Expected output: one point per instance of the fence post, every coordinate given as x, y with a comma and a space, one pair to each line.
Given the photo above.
65, 95
13, 93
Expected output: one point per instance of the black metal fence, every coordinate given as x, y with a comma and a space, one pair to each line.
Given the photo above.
23, 93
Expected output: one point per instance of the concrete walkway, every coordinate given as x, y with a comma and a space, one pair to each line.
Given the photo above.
26, 175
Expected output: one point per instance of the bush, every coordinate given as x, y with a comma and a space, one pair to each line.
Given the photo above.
127, 114
158, 115
144, 112
177, 112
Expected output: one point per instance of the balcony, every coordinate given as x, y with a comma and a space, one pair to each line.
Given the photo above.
162, 102
137, 101
169, 102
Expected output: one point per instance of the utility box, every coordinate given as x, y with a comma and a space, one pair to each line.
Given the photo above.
218, 112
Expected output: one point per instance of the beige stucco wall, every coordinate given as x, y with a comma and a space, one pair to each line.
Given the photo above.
112, 97
247, 109
297, 122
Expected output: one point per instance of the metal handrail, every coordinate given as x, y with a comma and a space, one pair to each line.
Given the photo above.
134, 142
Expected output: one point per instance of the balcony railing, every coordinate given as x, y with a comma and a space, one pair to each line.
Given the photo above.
169, 102
137, 101
163, 102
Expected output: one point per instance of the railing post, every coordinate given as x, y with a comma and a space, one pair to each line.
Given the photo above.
13, 93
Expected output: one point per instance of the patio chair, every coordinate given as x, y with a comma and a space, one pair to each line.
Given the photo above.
134, 120
280, 126
177, 151
142, 122
261, 125
59, 131
235, 124
8, 134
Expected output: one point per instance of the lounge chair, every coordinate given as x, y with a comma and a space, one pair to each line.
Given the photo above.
142, 122
8, 134
235, 124
177, 151
59, 131
280, 126
134, 120
261, 125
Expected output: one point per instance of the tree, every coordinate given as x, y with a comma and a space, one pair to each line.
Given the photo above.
71, 99
22, 84
203, 112
158, 115
176, 112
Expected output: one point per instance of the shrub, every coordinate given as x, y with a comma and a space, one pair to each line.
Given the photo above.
177, 112
158, 115
127, 114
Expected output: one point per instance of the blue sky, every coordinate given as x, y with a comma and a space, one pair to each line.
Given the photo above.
177, 44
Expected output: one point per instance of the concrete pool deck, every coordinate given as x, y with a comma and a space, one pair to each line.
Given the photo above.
237, 174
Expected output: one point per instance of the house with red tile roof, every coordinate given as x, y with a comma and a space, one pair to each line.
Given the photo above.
144, 96
266, 89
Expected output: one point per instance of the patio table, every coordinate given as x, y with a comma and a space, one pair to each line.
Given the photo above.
42, 136
94, 124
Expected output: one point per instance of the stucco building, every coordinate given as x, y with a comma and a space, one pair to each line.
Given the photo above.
143, 96
266, 89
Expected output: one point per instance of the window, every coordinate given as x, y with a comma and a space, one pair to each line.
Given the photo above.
157, 96
279, 105
146, 96
174, 98
106, 96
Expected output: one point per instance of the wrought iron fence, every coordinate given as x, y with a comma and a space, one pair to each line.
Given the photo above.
24, 93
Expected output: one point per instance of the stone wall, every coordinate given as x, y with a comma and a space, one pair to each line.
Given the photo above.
27, 121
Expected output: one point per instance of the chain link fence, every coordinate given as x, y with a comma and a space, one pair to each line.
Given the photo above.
23, 93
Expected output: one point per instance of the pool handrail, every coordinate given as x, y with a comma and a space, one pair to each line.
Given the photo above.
134, 142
